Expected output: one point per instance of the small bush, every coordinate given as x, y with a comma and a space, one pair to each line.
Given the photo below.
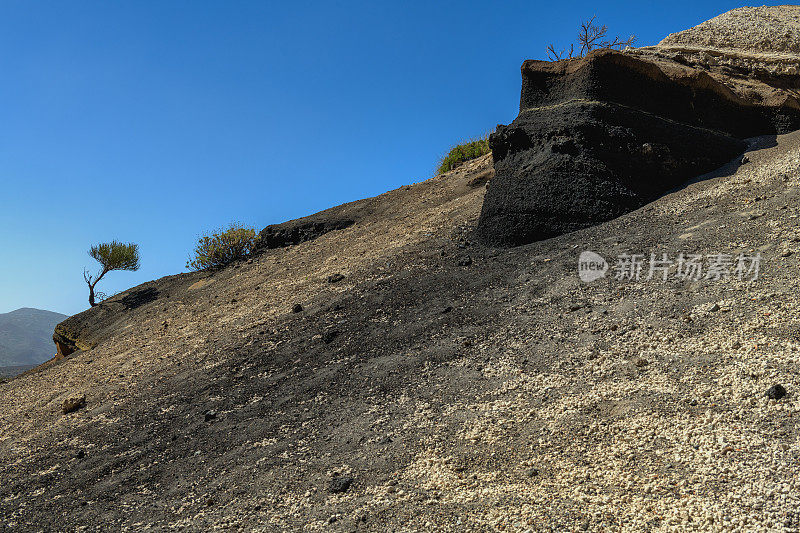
463, 152
590, 36
223, 247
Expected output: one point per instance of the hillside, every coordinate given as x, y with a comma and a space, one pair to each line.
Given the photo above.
766, 30
26, 336
445, 382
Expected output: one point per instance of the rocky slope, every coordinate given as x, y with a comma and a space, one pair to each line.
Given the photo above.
754, 51
438, 383
767, 31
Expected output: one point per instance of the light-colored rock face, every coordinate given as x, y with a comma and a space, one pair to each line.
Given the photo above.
753, 51
752, 30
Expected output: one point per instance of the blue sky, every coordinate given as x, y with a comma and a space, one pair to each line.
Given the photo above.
154, 121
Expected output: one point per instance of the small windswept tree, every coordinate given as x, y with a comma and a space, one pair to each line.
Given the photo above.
111, 256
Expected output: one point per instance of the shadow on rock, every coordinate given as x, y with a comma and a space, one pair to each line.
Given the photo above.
139, 297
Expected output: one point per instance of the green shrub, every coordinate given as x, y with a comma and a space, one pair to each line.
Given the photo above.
463, 152
223, 247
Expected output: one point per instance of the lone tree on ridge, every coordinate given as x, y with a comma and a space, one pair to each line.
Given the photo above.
111, 256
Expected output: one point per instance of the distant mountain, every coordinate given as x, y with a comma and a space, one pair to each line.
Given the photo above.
26, 336
11, 371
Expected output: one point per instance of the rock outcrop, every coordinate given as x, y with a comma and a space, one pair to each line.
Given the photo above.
296, 232
602, 135
754, 51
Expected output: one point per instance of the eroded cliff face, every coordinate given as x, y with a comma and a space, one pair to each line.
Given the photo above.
602, 135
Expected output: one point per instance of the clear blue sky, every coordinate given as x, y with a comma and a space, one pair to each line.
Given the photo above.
153, 121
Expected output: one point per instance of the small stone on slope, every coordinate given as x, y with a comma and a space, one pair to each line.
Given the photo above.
340, 484
71, 405
776, 392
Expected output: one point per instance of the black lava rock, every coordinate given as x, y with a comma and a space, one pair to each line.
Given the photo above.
776, 392
600, 136
340, 484
298, 231
335, 278
329, 335
297, 308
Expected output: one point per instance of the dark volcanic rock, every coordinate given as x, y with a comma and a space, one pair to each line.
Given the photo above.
776, 392
603, 135
340, 484
296, 232
330, 335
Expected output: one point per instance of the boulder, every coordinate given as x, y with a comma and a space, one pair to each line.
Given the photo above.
599, 136
298, 231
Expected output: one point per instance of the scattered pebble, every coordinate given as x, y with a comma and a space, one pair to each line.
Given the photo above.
776, 392
71, 405
329, 335
340, 484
